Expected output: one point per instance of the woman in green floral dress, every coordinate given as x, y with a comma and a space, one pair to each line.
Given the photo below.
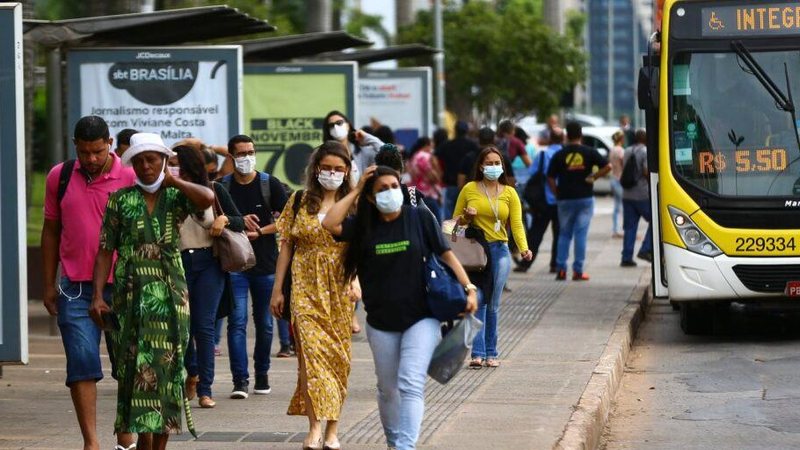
150, 298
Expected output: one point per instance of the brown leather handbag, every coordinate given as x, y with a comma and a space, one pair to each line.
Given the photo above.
232, 248
470, 252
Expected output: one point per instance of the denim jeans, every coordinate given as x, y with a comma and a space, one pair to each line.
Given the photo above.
616, 190
632, 210
485, 343
260, 287
205, 281
574, 217
450, 199
79, 334
535, 234
401, 366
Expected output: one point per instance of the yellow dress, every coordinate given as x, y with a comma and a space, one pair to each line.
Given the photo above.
321, 313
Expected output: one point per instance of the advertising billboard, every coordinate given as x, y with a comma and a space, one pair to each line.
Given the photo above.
398, 98
13, 272
176, 92
284, 107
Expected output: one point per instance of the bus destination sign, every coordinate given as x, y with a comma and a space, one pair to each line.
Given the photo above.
752, 20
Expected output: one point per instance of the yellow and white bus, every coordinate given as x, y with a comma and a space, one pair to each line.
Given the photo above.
718, 87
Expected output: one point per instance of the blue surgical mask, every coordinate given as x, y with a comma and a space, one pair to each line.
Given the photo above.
389, 201
492, 173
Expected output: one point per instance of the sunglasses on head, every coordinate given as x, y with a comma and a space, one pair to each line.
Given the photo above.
339, 122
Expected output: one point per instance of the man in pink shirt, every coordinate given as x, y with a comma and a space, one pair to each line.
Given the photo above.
73, 215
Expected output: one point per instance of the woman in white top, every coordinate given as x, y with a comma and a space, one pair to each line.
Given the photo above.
204, 277
615, 158
362, 146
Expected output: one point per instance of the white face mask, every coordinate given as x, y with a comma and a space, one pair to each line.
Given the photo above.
389, 201
152, 188
175, 171
339, 132
245, 164
330, 180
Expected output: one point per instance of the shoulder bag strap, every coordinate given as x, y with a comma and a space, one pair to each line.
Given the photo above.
63, 178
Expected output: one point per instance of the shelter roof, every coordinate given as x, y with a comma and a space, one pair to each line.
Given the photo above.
168, 27
284, 48
380, 54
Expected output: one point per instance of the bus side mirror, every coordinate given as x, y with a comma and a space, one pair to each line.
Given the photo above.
647, 89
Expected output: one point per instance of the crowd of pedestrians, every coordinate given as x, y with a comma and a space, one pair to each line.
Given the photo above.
134, 230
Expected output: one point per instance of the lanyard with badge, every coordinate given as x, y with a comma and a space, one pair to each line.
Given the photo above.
495, 207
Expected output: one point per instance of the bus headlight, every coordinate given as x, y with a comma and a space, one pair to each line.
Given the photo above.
694, 239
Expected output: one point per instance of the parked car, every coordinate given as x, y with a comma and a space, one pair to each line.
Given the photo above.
600, 138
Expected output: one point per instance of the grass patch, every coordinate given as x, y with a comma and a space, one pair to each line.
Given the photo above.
36, 209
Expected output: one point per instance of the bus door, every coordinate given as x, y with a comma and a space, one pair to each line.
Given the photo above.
648, 91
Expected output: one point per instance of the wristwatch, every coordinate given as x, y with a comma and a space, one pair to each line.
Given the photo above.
470, 287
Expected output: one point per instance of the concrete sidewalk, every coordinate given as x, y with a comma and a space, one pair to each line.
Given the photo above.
552, 337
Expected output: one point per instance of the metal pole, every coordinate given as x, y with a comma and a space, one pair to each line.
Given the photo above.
636, 61
438, 61
610, 86
55, 118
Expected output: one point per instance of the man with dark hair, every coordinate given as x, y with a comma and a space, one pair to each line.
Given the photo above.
636, 203
571, 178
450, 155
257, 195
549, 214
76, 193
510, 145
124, 141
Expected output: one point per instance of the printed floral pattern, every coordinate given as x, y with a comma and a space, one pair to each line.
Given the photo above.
150, 300
321, 313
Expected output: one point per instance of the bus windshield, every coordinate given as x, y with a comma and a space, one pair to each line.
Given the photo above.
729, 134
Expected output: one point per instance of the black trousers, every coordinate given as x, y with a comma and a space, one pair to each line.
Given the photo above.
535, 234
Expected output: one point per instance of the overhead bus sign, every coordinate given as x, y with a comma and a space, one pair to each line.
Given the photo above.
751, 20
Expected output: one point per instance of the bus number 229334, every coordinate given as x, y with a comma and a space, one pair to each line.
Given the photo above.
769, 244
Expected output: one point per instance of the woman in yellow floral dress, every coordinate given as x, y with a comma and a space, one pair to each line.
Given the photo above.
321, 303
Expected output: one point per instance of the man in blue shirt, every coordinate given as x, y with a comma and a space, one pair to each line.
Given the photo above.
549, 216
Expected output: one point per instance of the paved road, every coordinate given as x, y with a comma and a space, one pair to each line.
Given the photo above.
551, 337
738, 391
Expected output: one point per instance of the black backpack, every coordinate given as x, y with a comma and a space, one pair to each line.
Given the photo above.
534, 193
629, 176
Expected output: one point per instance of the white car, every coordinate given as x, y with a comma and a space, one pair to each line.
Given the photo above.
600, 138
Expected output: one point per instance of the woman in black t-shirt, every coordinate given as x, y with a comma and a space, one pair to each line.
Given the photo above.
387, 244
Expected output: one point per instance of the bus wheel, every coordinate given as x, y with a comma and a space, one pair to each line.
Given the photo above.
697, 318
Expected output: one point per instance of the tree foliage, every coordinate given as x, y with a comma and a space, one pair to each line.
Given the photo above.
502, 58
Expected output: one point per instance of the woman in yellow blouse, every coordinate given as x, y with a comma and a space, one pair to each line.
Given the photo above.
490, 203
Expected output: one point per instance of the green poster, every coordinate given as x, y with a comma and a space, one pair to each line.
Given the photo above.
284, 108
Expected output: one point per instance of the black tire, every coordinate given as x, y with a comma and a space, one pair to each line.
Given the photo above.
675, 305
697, 318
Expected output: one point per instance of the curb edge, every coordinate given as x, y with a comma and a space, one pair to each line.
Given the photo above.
589, 416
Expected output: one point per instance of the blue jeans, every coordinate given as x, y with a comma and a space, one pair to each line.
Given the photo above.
485, 343
205, 281
401, 366
260, 287
616, 190
574, 217
632, 210
79, 334
450, 199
